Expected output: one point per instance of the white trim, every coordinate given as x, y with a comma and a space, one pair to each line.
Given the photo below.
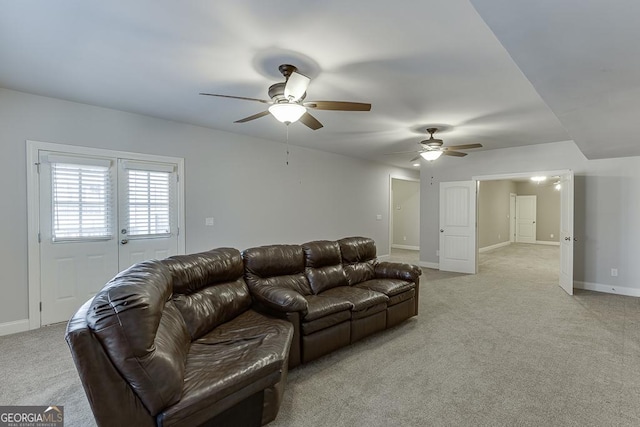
547, 242
14, 327
33, 200
410, 248
492, 247
434, 265
383, 257
608, 289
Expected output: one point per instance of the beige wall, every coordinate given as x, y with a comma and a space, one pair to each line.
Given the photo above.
406, 212
493, 212
547, 208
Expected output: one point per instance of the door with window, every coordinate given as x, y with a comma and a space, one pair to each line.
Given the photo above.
98, 216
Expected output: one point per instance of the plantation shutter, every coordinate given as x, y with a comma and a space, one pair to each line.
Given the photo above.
82, 194
149, 199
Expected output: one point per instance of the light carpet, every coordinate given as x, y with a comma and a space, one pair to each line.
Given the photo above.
503, 347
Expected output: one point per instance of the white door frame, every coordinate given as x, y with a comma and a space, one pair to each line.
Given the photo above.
33, 211
512, 214
391, 207
516, 175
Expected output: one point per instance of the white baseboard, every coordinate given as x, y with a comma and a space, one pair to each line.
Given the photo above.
609, 289
433, 265
383, 257
14, 327
411, 248
492, 247
545, 242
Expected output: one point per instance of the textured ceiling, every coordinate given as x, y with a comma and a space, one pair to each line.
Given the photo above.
418, 63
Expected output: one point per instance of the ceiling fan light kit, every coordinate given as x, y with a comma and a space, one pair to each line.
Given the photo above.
431, 155
286, 103
287, 113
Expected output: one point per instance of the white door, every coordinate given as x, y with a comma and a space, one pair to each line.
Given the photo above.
78, 249
96, 219
526, 219
458, 226
146, 222
566, 232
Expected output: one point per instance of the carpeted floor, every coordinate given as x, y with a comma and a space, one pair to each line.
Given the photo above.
501, 348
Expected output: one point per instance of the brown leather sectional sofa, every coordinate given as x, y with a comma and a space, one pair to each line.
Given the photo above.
184, 341
333, 292
175, 343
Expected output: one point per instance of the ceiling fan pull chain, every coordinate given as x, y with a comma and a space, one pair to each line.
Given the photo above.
287, 143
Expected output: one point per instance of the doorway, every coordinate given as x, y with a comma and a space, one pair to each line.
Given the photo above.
404, 214
93, 213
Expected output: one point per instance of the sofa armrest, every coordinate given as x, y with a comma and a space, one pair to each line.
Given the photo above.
280, 299
112, 399
396, 270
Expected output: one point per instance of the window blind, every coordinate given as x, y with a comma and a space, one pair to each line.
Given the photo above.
81, 201
149, 197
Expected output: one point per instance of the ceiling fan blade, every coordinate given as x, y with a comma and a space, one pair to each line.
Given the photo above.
296, 86
310, 121
453, 153
398, 152
255, 116
415, 158
462, 147
264, 101
338, 105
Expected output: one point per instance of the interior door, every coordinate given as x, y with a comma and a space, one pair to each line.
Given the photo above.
458, 226
147, 222
512, 217
78, 250
566, 232
526, 219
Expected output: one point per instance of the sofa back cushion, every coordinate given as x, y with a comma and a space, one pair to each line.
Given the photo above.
276, 265
143, 332
208, 288
323, 265
358, 258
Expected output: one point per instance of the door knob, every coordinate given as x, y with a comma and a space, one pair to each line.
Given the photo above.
441, 230
124, 241
567, 238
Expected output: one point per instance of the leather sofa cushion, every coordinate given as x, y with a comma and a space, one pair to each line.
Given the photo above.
323, 265
357, 249
212, 306
394, 270
369, 311
320, 306
321, 253
209, 288
235, 355
325, 322
388, 287
398, 298
360, 298
276, 265
196, 271
143, 332
359, 272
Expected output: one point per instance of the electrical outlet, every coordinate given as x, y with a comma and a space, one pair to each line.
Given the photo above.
614, 272
404, 238
551, 235
378, 217
208, 222
499, 236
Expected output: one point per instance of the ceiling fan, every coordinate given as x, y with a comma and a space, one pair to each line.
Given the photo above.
286, 103
432, 148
